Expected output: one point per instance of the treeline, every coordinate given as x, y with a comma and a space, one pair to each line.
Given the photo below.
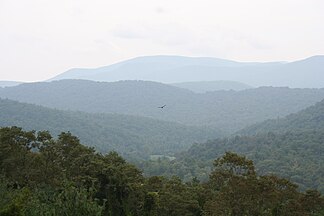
45, 176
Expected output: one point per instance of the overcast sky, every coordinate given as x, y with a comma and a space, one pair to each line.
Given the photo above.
42, 38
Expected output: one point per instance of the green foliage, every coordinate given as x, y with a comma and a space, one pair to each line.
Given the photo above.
62, 177
68, 200
115, 182
12, 201
296, 156
170, 197
237, 190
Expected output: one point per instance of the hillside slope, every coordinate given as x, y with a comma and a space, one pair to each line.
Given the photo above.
311, 118
133, 137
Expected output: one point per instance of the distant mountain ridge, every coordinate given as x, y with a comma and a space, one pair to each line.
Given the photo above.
226, 111
307, 73
9, 83
206, 86
145, 64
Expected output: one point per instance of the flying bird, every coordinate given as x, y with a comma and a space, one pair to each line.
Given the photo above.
161, 107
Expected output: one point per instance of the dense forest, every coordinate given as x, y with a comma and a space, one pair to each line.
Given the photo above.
296, 156
135, 138
290, 147
227, 111
45, 176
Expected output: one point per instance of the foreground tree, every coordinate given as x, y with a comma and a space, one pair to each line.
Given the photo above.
237, 190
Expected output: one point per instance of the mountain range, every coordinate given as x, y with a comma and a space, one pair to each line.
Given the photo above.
306, 73
208, 86
226, 111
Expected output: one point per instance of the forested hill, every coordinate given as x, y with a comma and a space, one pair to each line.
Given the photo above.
296, 156
228, 111
133, 137
311, 118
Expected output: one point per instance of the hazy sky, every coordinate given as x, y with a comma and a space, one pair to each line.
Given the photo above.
42, 38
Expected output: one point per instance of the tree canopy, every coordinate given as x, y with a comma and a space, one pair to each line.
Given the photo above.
41, 175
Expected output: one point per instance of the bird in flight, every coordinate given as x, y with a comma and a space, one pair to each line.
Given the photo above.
161, 107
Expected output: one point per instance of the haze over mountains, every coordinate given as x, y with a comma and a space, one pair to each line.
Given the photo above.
101, 115
218, 74
152, 68
124, 115
226, 111
307, 73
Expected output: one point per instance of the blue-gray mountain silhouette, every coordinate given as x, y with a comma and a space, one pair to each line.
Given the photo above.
307, 73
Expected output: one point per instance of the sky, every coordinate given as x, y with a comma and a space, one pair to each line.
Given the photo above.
43, 38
